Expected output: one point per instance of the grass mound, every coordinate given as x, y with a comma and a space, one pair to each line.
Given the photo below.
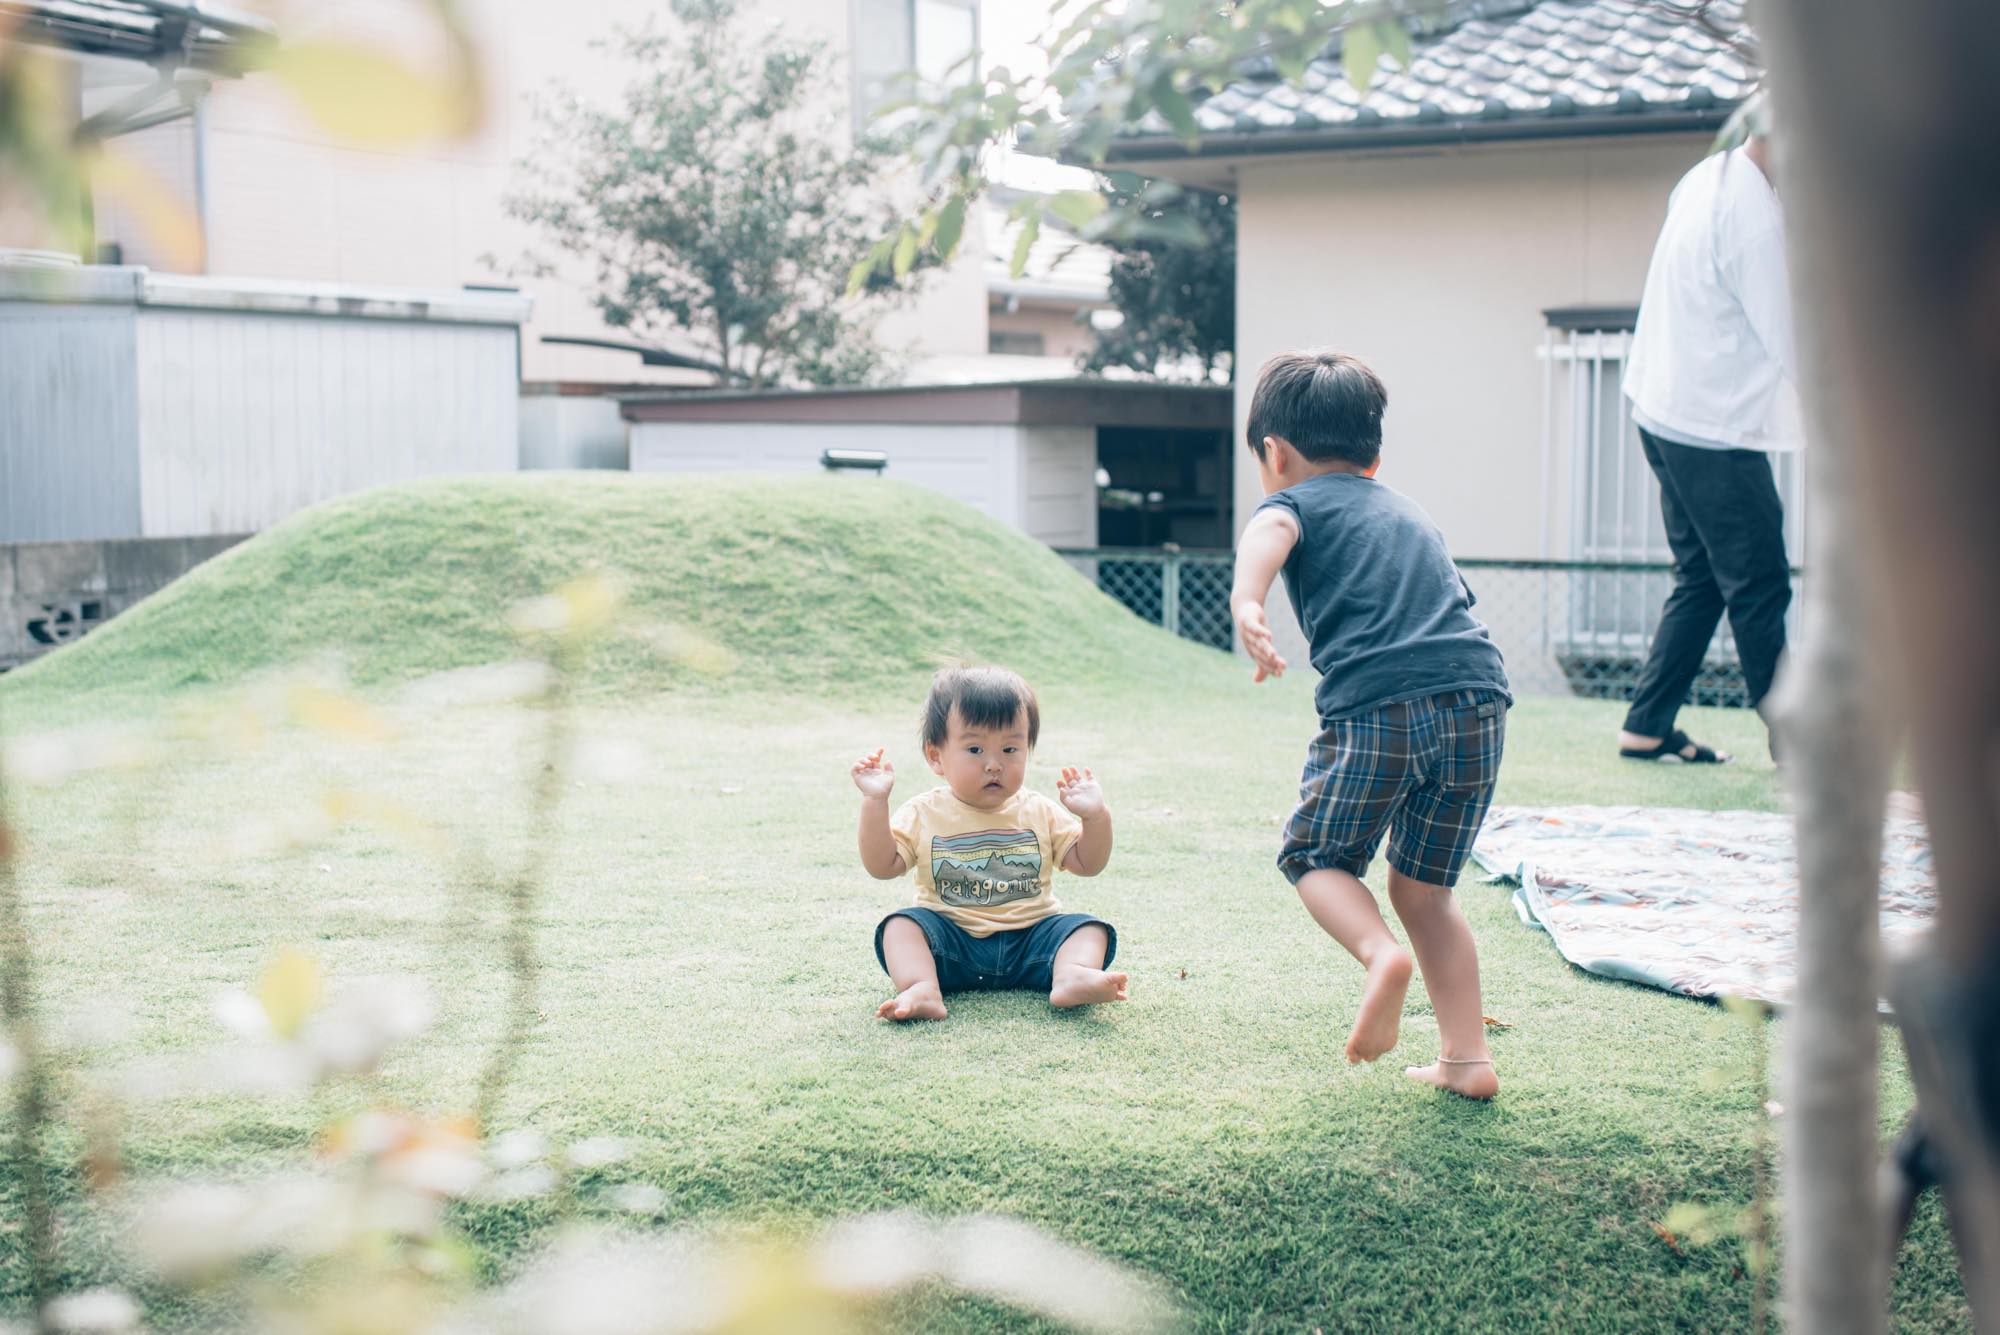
811, 583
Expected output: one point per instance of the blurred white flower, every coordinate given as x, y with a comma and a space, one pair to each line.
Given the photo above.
575, 607
10, 1059
47, 759
514, 1149
613, 1284
241, 1014
599, 1152
198, 1228
1002, 1258
1018, 1263
876, 1254
423, 1162
367, 1017
93, 1310
609, 1285
441, 1171
492, 684
517, 1184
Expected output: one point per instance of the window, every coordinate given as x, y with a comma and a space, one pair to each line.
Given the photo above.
1614, 497
1015, 342
895, 39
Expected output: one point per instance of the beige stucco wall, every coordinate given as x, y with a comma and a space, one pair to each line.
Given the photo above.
285, 200
1062, 334
1435, 268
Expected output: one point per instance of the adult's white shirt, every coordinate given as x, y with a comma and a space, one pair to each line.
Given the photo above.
1713, 363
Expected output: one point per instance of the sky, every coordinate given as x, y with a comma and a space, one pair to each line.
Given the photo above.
1009, 31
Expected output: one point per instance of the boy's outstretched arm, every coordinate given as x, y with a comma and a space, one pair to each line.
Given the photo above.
875, 777
1260, 554
1079, 792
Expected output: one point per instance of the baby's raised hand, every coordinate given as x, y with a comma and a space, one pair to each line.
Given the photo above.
874, 775
1079, 792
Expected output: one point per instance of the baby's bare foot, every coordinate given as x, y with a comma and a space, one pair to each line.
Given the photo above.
1381, 1014
918, 1001
1078, 985
1472, 1079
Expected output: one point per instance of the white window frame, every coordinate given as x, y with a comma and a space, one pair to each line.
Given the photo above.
859, 94
1611, 610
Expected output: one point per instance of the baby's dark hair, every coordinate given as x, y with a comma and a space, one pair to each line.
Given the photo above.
985, 697
1328, 405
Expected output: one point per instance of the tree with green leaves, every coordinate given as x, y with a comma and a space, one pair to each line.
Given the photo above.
713, 209
1174, 283
1114, 66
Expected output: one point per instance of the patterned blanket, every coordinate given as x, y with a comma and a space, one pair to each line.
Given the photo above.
1703, 903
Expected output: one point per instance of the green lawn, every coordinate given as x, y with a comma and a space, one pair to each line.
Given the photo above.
709, 981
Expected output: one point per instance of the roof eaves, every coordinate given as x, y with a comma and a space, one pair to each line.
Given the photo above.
1424, 134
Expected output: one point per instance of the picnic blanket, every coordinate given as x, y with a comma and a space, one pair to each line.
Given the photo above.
1703, 903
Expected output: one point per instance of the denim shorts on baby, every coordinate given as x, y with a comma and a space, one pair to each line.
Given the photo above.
1421, 771
1022, 958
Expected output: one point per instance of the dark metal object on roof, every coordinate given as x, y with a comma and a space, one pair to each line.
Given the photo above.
871, 461
1514, 70
649, 354
195, 34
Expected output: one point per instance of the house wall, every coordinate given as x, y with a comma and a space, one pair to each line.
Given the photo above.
69, 420
287, 199
571, 430
1040, 480
1062, 335
1434, 268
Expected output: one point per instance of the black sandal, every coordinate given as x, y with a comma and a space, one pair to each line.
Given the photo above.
1670, 749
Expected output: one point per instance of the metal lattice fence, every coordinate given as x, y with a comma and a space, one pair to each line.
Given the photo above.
1566, 627
1186, 592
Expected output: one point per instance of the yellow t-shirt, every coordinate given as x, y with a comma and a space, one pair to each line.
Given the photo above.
988, 871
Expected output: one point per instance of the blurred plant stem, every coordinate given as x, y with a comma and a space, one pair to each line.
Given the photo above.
524, 890
31, 1077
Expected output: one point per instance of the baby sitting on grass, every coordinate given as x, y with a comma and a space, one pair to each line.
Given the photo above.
985, 851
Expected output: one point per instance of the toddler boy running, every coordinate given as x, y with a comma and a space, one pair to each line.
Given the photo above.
1412, 700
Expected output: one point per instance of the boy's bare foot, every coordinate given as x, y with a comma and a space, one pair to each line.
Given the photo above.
1381, 1014
1467, 1079
918, 1001
1081, 985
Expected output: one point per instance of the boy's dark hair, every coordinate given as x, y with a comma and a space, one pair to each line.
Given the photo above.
1328, 405
985, 697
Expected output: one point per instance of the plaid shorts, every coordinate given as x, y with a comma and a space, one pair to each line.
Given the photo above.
1421, 770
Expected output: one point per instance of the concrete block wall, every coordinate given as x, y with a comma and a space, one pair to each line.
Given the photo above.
54, 592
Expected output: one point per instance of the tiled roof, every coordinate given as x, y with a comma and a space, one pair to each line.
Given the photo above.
1494, 70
